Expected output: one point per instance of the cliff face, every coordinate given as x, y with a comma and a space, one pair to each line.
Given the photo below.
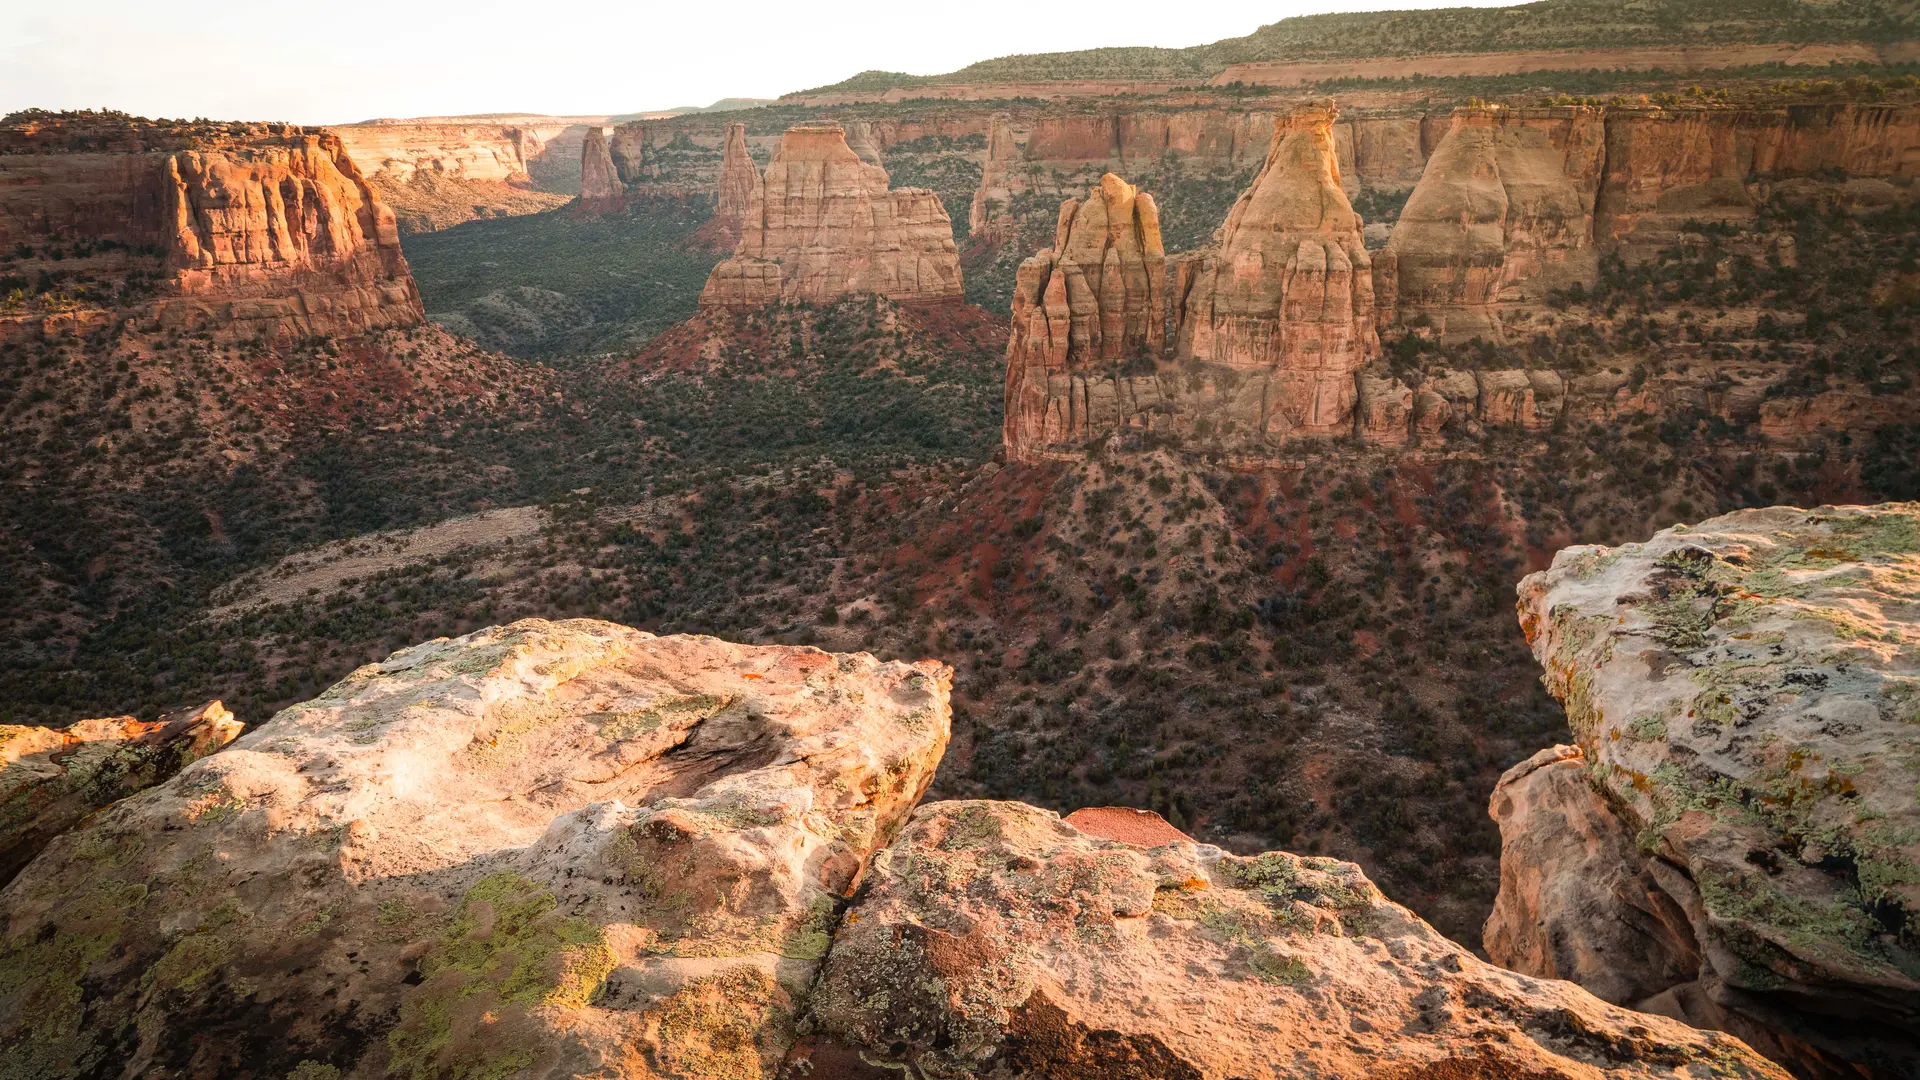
1503, 211
1287, 295
437, 175
247, 231
1742, 696
1095, 299
601, 190
822, 224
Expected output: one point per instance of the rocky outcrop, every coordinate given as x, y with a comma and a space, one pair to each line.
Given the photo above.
996, 939
739, 184
1503, 212
250, 230
1287, 295
990, 217
1093, 302
860, 139
627, 147
601, 190
547, 849
822, 224
50, 778
1742, 692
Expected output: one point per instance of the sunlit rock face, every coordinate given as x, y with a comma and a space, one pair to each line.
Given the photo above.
822, 224
1286, 295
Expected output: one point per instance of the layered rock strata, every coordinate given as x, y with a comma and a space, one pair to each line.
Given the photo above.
437, 174
822, 224
50, 778
547, 849
1504, 211
997, 939
1083, 309
601, 190
1743, 695
1286, 294
239, 230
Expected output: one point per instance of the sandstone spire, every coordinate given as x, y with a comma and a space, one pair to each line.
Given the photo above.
1505, 207
600, 189
628, 148
822, 224
739, 183
991, 216
1289, 286
1094, 299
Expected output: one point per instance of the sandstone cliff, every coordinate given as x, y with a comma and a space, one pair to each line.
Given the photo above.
1742, 696
601, 190
823, 224
240, 230
990, 217
1286, 294
1082, 308
438, 174
738, 184
1503, 211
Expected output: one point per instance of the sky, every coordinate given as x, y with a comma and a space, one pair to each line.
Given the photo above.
353, 60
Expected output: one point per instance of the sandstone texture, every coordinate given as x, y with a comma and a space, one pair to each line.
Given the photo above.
239, 230
50, 778
540, 850
1092, 302
1744, 696
738, 183
1286, 294
995, 939
822, 224
601, 189
1504, 209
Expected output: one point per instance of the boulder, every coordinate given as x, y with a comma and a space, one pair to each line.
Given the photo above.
50, 778
995, 939
822, 224
1743, 694
1287, 292
539, 850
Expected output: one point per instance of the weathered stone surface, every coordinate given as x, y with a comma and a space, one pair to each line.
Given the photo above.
263, 229
995, 939
601, 191
1744, 692
1385, 411
1504, 211
1093, 301
50, 778
1288, 291
541, 850
822, 224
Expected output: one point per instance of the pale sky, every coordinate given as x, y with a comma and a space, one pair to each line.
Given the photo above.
356, 59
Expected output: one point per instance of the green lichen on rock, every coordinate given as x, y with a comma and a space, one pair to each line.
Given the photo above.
679, 710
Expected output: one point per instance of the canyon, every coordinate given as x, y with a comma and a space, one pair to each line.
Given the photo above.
436, 173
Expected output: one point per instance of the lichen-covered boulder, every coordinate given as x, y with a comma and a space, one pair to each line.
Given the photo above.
995, 939
1746, 696
540, 850
50, 778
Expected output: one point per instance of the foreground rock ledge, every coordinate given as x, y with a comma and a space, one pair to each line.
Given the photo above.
540, 850
995, 939
1745, 694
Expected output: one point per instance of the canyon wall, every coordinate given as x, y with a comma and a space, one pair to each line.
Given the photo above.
1734, 840
240, 230
821, 224
438, 174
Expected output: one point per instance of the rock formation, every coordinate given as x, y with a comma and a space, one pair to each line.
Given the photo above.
1092, 302
437, 174
996, 939
627, 147
990, 217
1742, 693
50, 778
547, 849
1286, 294
250, 230
601, 190
739, 184
1504, 211
861, 140
822, 224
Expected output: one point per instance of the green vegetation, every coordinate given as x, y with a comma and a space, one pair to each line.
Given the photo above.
1550, 24
552, 284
